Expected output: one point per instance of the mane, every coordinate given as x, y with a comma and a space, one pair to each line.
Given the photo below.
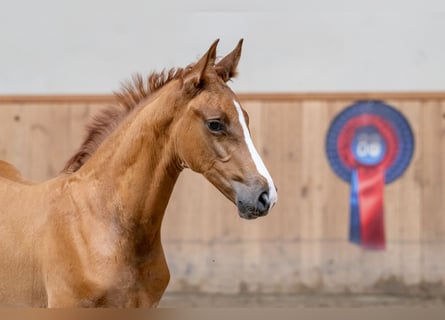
131, 94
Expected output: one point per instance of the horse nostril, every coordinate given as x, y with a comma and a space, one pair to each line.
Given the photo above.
263, 201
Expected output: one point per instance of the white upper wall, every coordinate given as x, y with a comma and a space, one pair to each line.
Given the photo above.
90, 46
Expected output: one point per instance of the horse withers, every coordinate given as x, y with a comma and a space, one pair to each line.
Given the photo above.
90, 237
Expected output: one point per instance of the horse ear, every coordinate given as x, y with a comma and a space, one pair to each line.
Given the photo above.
226, 68
207, 60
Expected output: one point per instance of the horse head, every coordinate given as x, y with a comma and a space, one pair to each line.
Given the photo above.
213, 136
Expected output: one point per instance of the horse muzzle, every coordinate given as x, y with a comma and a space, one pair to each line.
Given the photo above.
253, 202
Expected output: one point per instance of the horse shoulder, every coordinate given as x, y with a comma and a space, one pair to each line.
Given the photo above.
10, 172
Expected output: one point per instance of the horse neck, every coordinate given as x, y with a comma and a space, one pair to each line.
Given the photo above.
136, 167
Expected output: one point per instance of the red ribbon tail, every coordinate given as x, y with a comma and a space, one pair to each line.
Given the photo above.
371, 184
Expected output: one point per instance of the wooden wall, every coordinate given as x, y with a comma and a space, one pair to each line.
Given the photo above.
301, 246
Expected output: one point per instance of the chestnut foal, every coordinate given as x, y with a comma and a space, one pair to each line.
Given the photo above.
91, 236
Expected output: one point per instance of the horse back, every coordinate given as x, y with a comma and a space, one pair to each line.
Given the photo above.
8, 171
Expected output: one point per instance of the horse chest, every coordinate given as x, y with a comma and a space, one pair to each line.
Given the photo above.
121, 280
138, 286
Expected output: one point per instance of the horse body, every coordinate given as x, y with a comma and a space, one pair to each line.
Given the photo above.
21, 222
58, 249
92, 237
74, 244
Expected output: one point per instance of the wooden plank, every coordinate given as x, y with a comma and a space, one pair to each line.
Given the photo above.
339, 257
313, 174
337, 218
285, 136
432, 193
409, 198
432, 219
244, 96
56, 99
14, 135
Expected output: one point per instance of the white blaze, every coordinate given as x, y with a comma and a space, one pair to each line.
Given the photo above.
255, 156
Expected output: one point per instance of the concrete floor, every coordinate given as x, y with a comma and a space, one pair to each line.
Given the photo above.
194, 300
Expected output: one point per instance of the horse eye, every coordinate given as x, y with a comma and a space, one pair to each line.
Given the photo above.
215, 125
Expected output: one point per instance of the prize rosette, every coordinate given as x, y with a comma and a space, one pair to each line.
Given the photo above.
368, 145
